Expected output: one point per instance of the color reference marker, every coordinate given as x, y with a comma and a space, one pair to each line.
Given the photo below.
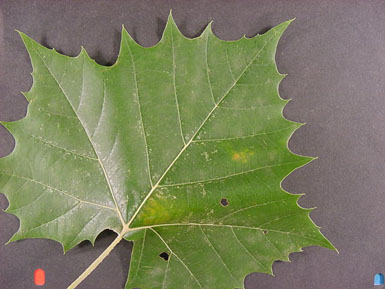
378, 279
39, 277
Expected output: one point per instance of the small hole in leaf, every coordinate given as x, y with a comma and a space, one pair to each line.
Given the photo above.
164, 256
224, 202
265, 232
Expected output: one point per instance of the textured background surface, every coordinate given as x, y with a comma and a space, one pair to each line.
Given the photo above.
335, 57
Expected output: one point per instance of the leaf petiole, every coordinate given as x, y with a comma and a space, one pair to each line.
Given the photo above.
98, 260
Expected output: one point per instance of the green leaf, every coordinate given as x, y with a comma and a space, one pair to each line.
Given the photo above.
180, 148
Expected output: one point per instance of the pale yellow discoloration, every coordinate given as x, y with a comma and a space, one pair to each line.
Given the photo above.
242, 156
153, 212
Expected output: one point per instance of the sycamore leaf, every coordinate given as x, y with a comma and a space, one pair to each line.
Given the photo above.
180, 148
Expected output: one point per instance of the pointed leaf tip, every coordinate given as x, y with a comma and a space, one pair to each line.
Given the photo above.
25, 37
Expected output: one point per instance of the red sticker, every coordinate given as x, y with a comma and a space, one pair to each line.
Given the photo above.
39, 277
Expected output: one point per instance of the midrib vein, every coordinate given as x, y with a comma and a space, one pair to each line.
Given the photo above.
88, 137
194, 135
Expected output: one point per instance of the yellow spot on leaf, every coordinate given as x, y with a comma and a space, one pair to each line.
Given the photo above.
154, 212
242, 156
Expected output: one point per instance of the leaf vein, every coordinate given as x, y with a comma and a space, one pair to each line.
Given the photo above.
229, 176
208, 69
57, 190
55, 114
83, 227
101, 111
250, 207
216, 252
180, 260
194, 135
165, 272
30, 203
247, 250
88, 137
273, 245
53, 220
140, 255
47, 143
228, 64
224, 225
242, 137
174, 86
140, 112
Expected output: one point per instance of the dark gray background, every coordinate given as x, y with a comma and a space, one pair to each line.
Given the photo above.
334, 54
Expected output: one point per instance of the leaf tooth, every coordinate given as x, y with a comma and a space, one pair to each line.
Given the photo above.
208, 30
126, 39
8, 125
83, 53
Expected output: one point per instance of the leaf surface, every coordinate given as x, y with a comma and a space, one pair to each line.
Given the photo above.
180, 148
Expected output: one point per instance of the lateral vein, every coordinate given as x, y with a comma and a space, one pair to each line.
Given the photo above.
88, 137
192, 138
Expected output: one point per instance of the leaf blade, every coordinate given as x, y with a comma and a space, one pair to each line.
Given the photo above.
179, 147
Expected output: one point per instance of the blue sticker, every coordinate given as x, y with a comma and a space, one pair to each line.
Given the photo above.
379, 279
